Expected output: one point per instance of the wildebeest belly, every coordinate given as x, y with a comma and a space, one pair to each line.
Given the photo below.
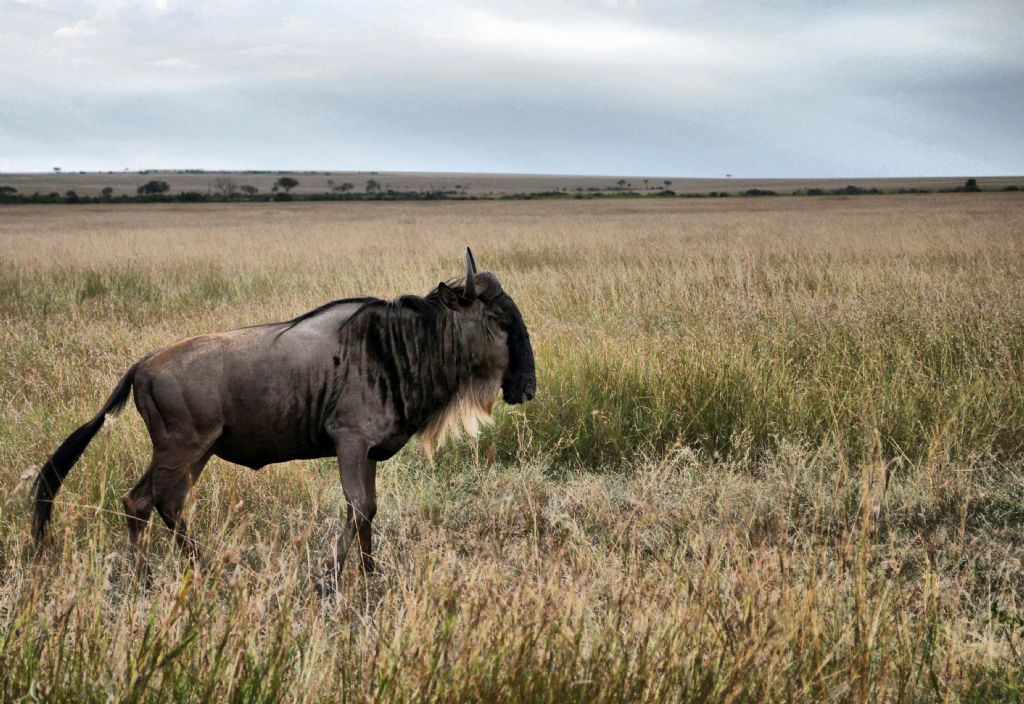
255, 451
275, 425
262, 396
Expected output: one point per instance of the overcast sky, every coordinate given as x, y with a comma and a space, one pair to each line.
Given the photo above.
756, 89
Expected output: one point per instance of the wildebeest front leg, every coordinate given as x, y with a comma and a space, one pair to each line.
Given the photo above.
359, 481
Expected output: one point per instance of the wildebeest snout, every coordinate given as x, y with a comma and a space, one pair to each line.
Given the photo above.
530, 388
520, 389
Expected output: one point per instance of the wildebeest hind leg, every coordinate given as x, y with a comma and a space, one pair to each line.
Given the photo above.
171, 486
138, 505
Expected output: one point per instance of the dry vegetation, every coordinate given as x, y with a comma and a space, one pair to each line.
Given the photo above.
777, 454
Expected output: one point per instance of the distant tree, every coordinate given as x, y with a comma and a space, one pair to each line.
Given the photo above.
372, 186
645, 184
151, 188
56, 169
71, 197
107, 193
287, 183
621, 183
226, 185
848, 190
8, 190
342, 187
667, 183
249, 190
971, 185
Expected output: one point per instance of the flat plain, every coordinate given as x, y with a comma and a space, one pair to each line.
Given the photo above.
468, 185
777, 454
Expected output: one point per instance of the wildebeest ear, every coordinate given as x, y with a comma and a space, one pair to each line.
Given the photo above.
451, 299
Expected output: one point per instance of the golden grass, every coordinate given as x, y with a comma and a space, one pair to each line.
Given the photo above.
776, 454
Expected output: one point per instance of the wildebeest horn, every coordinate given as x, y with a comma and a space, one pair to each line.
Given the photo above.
470, 291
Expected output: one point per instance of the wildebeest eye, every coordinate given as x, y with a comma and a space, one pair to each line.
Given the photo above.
499, 322
500, 317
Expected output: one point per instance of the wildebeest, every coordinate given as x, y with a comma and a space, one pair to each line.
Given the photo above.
355, 378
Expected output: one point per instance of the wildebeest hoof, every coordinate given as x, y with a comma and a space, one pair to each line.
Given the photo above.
144, 578
326, 587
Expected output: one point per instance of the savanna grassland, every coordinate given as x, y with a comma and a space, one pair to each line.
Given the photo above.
777, 454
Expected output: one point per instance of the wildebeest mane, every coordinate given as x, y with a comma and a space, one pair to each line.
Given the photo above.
365, 300
427, 306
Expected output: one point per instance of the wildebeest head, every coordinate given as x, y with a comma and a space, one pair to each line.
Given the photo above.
482, 301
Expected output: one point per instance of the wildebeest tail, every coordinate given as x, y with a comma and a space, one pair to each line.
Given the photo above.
51, 476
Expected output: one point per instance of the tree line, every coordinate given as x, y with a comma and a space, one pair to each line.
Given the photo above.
227, 188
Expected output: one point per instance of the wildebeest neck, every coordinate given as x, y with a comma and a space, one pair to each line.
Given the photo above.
422, 361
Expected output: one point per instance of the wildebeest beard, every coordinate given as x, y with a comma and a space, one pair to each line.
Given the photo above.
427, 366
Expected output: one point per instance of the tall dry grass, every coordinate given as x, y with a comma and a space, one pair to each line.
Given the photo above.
776, 454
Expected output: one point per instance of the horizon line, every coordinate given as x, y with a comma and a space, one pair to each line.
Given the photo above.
540, 174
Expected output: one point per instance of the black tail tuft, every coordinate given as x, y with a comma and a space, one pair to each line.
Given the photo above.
52, 475
56, 468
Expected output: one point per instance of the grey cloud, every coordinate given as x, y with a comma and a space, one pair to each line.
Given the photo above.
786, 89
